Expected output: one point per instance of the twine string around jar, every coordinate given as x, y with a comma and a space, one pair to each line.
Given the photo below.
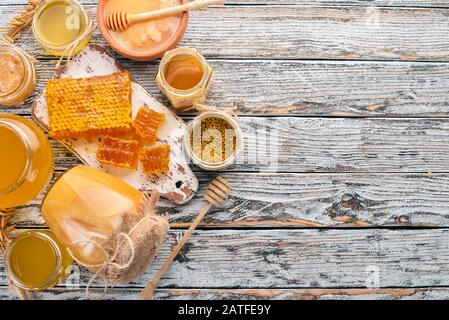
70, 50
109, 260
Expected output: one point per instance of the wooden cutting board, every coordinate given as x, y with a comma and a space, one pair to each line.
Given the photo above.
179, 184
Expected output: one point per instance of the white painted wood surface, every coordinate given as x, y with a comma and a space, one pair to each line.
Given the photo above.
299, 258
358, 96
310, 200
308, 32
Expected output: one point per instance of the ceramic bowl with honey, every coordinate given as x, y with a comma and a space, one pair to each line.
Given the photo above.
147, 40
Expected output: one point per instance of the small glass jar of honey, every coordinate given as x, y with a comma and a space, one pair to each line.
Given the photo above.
17, 75
184, 77
26, 161
35, 260
60, 27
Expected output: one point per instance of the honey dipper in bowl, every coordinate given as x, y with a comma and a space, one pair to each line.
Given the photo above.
120, 21
216, 194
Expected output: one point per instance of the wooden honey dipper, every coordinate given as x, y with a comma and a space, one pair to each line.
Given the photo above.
216, 194
120, 21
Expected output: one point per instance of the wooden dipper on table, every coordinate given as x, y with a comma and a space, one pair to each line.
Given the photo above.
120, 21
216, 194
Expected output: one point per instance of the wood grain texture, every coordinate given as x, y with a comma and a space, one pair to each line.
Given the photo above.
246, 294
384, 3
309, 200
295, 32
289, 144
307, 88
253, 50
301, 259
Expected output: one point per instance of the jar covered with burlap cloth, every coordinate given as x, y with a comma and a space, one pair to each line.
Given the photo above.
107, 226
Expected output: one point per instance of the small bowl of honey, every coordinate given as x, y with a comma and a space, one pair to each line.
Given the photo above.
213, 140
184, 77
146, 40
61, 27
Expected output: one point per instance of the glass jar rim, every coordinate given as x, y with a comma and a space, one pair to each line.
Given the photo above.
45, 4
213, 165
29, 157
28, 71
54, 276
170, 55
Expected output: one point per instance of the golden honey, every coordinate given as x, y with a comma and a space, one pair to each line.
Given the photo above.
148, 34
184, 72
58, 26
26, 161
35, 260
184, 77
17, 75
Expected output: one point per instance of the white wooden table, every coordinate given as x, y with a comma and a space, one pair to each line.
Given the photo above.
359, 205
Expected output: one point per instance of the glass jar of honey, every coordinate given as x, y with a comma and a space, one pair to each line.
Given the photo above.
61, 27
184, 77
213, 140
35, 260
17, 75
26, 161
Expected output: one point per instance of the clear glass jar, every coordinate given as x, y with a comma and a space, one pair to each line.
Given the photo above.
105, 224
85, 206
184, 99
17, 75
72, 23
195, 123
26, 162
35, 260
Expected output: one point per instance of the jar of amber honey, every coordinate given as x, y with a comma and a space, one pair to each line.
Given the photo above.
61, 27
35, 260
26, 161
17, 75
184, 77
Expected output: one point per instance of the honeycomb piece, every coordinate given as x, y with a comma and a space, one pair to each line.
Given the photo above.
155, 159
147, 124
119, 152
89, 106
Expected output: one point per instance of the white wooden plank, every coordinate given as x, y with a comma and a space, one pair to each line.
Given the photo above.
310, 200
244, 294
297, 32
310, 258
288, 144
308, 88
393, 3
